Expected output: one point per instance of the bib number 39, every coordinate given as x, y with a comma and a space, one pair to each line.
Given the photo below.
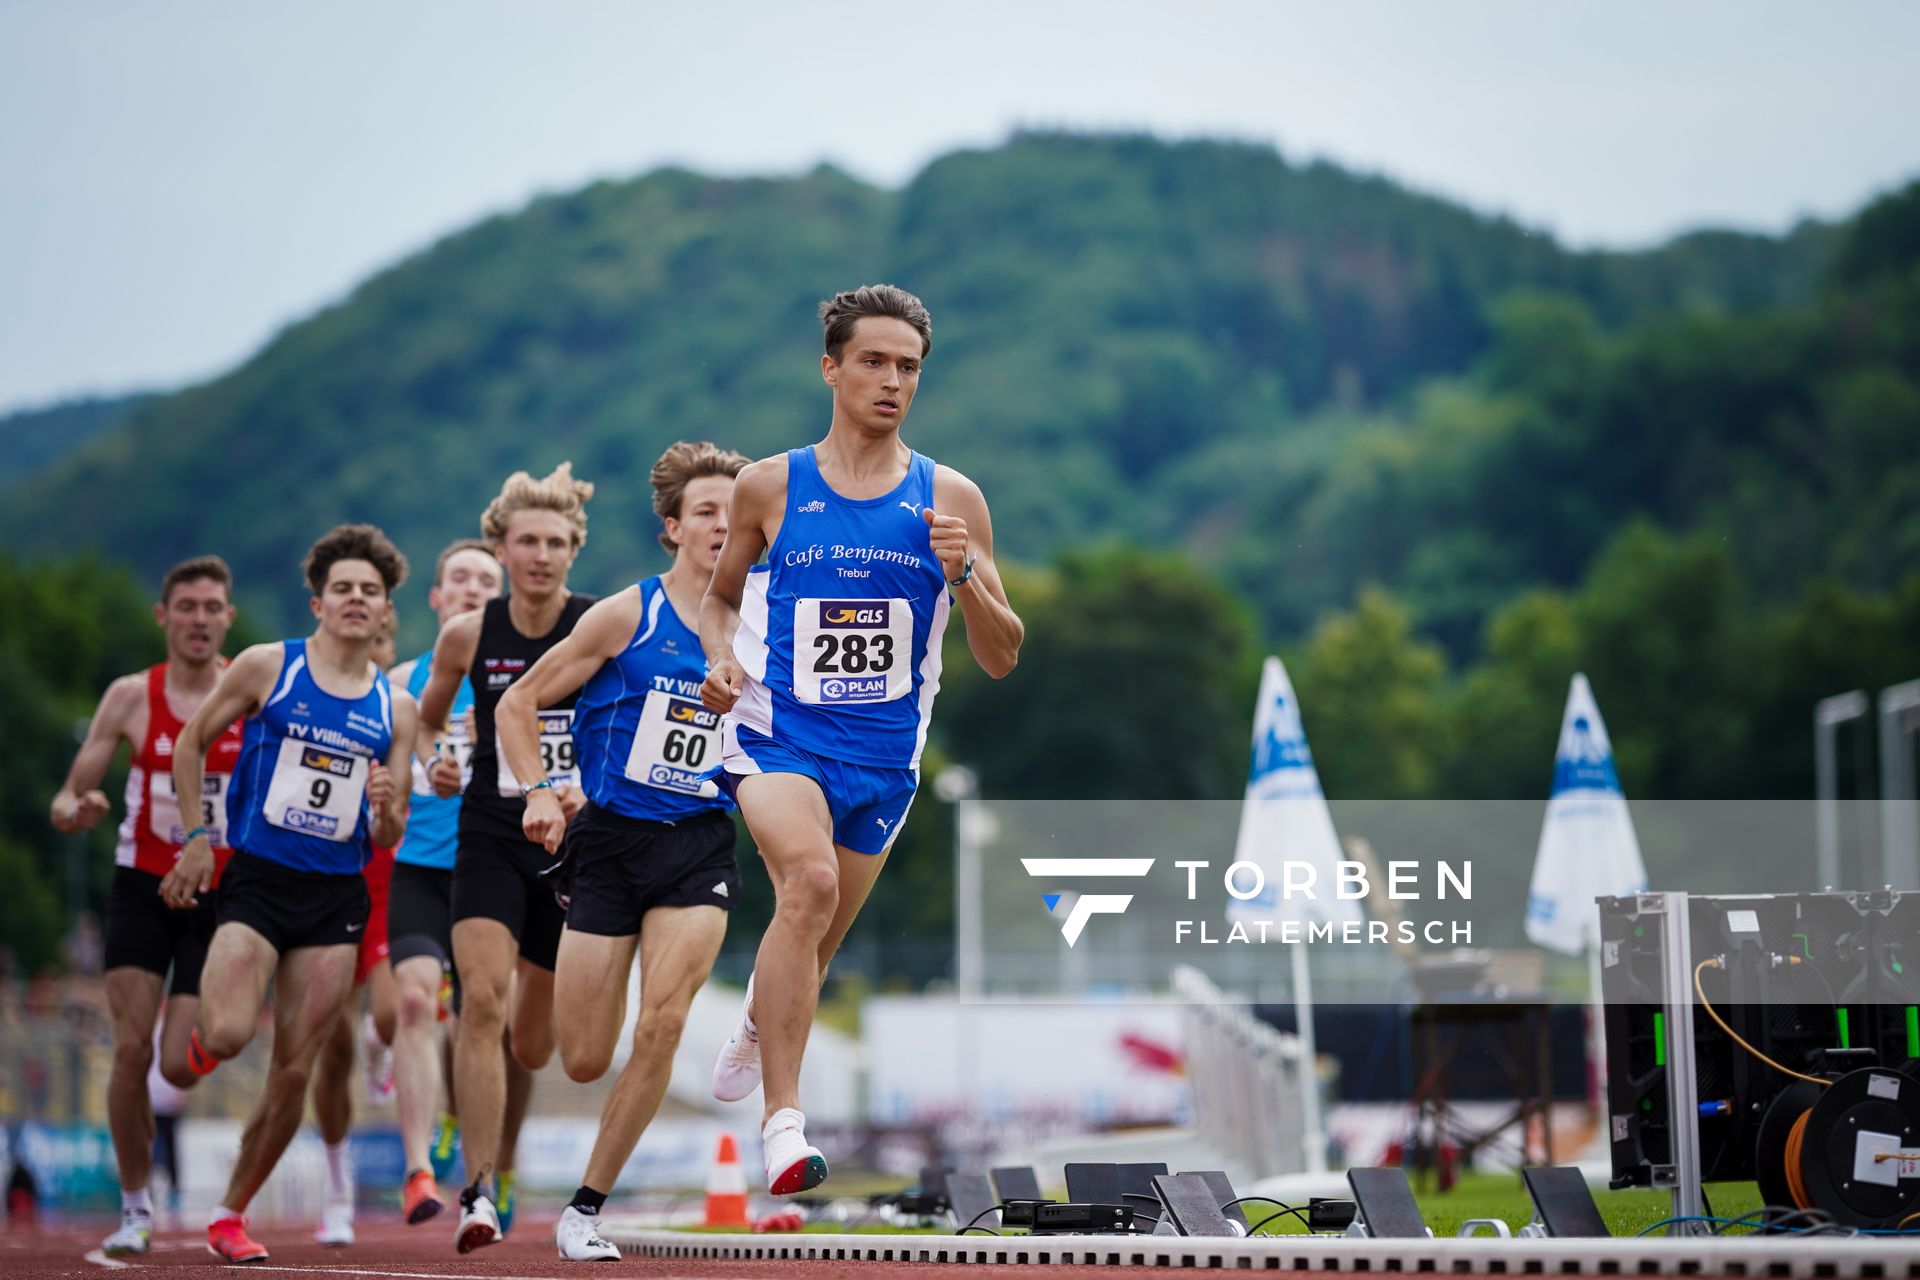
316, 791
556, 754
852, 651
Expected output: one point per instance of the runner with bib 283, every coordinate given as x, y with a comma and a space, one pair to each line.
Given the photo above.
827, 659
506, 922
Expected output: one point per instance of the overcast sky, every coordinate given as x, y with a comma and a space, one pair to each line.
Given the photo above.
178, 180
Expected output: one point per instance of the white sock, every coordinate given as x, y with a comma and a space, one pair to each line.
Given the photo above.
339, 1172
221, 1213
136, 1202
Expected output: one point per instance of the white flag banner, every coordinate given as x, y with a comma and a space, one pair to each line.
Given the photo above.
1587, 845
1285, 828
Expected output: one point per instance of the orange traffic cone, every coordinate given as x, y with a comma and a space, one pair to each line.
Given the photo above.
727, 1188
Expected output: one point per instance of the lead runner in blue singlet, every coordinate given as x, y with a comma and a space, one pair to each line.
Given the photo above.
649, 860
326, 746
826, 661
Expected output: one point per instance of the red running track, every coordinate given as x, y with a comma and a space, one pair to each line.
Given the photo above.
395, 1251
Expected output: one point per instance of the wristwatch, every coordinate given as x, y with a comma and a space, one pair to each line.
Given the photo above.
964, 574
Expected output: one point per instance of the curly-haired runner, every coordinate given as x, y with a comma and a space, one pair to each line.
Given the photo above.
506, 921
324, 752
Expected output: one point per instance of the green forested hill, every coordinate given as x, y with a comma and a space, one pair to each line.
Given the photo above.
33, 439
1196, 344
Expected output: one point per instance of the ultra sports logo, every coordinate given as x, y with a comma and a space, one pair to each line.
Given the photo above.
1087, 905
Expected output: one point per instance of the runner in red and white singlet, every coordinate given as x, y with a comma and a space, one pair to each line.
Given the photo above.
146, 938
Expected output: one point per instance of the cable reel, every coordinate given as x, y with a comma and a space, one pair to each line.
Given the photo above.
1851, 1149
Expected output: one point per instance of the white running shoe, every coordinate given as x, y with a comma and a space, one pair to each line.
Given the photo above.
792, 1165
479, 1222
135, 1235
336, 1226
736, 1072
578, 1236
380, 1087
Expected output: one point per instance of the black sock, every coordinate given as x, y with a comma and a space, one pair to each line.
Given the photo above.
588, 1201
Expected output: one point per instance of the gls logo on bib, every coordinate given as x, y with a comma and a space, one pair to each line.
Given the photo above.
853, 613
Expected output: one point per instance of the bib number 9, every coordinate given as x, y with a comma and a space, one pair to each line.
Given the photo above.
852, 651
317, 791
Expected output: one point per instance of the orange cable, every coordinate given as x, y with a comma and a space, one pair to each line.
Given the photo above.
1735, 1036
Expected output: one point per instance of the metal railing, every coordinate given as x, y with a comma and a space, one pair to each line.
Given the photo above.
1249, 1080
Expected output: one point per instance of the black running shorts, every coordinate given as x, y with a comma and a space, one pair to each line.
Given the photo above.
621, 868
145, 933
293, 909
498, 878
420, 914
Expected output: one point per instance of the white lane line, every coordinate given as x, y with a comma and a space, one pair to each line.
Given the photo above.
100, 1259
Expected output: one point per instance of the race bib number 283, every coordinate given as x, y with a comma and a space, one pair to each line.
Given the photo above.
852, 651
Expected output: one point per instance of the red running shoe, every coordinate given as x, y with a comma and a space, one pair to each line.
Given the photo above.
199, 1061
228, 1239
420, 1198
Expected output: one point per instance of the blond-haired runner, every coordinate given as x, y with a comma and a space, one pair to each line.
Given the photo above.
145, 939
649, 860
827, 660
506, 922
